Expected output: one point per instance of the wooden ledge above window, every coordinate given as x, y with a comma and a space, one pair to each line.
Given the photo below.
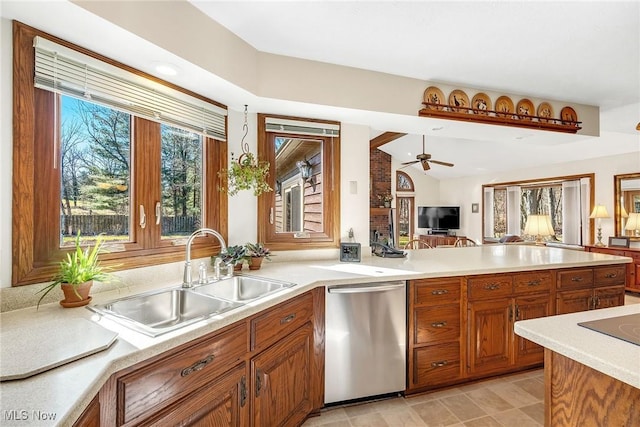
498, 118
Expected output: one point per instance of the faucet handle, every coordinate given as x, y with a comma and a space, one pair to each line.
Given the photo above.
202, 274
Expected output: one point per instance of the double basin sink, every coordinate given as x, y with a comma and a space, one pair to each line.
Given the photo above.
159, 312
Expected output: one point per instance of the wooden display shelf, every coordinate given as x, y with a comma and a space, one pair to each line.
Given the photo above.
494, 118
379, 211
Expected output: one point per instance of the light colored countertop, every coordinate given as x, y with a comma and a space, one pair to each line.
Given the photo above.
612, 356
65, 391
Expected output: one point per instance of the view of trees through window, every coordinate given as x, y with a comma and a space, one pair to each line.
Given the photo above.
95, 167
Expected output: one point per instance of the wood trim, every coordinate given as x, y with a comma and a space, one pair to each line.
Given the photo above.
384, 138
617, 193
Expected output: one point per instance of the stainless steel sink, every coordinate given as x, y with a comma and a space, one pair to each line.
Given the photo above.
160, 312
242, 288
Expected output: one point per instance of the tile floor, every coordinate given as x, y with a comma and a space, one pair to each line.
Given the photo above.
514, 400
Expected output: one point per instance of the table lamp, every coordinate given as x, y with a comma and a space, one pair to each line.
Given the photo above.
633, 223
539, 226
599, 212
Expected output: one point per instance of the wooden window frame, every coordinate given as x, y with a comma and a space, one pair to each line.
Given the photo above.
35, 208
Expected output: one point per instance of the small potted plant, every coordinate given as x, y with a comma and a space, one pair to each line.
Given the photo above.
257, 252
235, 255
385, 199
76, 274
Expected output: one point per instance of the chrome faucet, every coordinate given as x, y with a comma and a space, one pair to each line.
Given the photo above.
186, 279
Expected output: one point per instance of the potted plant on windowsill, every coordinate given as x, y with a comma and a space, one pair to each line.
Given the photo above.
76, 274
257, 252
235, 255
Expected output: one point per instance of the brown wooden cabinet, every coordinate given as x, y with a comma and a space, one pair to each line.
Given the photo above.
496, 302
90, 416
435, 333
435, 240
590, 288
632, 270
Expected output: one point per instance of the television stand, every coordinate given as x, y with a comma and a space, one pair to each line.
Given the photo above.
435, 240
439, 232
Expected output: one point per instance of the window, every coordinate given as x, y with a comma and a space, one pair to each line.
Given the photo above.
303, 211
405, 206
567, 201
88, 164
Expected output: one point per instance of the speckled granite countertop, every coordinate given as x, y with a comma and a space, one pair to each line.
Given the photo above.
612, 356
58, 396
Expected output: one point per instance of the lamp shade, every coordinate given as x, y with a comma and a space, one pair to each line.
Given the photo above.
539, 225
599, 211
633, 223
623, 212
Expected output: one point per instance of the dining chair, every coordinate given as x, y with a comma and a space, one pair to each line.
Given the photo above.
417, 244
464, 241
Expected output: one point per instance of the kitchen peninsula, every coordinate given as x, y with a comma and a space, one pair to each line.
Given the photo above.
591, 378
476, 277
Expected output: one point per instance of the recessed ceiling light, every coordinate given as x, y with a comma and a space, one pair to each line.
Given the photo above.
166, 69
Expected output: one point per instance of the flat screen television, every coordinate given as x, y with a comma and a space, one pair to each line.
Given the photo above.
439, 217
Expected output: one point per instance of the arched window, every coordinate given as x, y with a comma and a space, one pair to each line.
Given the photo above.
405, 208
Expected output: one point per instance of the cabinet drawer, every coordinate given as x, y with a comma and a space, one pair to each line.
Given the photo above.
436, 291
178, 374
489, 286
433, 324
280, 321
436, 364
610, 276
578, 278
532, 282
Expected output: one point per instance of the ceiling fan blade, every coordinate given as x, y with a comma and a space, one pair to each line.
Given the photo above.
410, 163
441, 163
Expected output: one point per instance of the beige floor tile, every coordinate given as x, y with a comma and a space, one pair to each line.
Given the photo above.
433, 395
361, 409
513, 394
532, 386
368, 420
489, 401
483, 422
327, 416
463, 407
402, 418
435, 414
393, 404
516, 418
535, 411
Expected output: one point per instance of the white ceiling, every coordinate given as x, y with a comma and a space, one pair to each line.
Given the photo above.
582, 52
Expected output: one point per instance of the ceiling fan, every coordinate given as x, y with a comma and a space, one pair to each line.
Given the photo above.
425, 159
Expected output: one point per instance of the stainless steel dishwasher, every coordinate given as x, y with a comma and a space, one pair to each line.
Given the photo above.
365, 349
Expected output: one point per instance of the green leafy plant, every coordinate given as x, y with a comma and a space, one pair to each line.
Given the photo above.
80, 266
234, 254
258, 250
246, 173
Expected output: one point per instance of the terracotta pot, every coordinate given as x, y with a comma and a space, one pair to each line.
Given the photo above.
71, 299
237, 267
255, 263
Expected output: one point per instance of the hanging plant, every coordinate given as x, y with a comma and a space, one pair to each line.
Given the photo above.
246, 173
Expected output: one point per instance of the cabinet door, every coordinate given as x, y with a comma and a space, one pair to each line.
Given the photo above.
532, 307
281, 379
573, 301
91, 415
221, 403
610, 296
489, 335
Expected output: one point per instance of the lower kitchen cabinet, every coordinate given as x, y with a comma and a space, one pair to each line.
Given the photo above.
590, 289
281, 378
91, 415
223, 403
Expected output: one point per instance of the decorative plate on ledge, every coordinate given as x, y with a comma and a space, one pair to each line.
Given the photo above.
525, 109
545, 112
458, 98
568, 115
433, 95
504, 106
481, 103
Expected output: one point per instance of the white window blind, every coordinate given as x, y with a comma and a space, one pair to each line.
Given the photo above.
68, 72
488, 212
301, 127
513, 210
571, 213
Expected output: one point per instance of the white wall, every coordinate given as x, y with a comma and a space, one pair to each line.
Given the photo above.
464, 191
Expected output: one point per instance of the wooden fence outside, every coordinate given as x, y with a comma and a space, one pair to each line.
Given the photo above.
118, 225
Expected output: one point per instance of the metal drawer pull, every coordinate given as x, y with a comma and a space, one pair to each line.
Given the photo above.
287, 319
243, 391
577, 279
439, 364
198, 366
534, 283
439, 292
611, 275
439, 324
492, 286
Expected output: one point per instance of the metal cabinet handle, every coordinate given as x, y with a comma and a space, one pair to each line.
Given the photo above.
287, 319
611, 275
534, 283
143, 217
258, 381
198, 366
577, 279
492, 286
439, 324
439, 364
243, 391
439, 292
517, 312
